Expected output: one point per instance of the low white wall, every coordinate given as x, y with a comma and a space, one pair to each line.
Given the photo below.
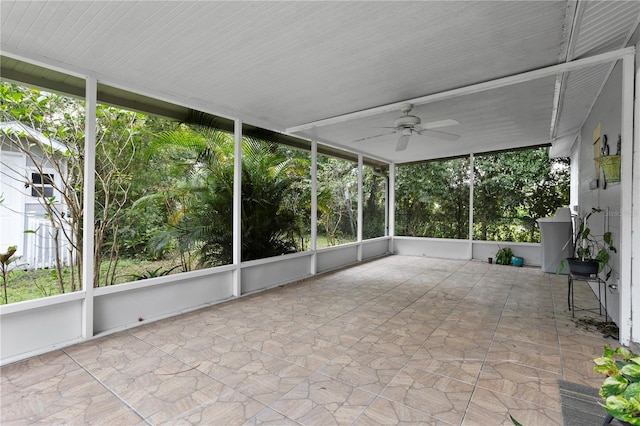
265, 273
37, 326
375, 247
124, 305
530, 252
432, 247
460, 249
331, 258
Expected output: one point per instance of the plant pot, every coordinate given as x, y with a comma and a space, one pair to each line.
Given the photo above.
517, 261
610, 420
611, 166
583, 267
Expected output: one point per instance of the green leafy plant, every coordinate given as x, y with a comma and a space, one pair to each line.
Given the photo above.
6, 259
503, 256
153, 273
590, 247
514, 421
621, 388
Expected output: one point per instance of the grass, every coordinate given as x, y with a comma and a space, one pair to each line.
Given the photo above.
35, 284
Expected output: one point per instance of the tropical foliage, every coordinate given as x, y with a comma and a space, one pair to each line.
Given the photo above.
164, 192
432, 199
200, 217
513, 189
621, 388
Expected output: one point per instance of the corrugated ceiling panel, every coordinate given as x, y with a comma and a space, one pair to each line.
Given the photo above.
279, 64
267, 60
582, 87
606, 25
511, 116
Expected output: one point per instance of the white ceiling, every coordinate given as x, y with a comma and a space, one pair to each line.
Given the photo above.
281, 65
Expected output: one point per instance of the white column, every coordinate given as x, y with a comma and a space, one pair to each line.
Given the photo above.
237, 208
471, 182
635, 223
314, 206
88, 206
629, 205
392, 205
360, 209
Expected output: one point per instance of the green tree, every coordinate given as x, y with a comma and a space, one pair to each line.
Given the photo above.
60, 118
121, 173
337, 199
432, 199
513, 189
201, 220
374, 189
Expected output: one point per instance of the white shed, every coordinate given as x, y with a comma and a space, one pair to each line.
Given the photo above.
23, 190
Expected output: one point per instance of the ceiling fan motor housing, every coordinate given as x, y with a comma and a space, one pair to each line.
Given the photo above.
406, 121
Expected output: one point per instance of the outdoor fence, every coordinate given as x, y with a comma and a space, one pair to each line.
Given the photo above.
40, 245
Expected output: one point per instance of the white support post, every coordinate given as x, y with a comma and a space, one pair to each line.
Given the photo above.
471, 188
629, 217
237, 208
392, 204
314, 206
635, 222
386, 205
360, 209
88, 206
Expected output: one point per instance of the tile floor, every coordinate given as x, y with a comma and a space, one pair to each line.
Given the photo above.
398, 340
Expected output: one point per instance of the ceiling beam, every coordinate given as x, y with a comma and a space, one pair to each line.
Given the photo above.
471, 89
576, 10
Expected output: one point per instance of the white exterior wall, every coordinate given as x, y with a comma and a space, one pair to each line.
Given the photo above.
20, 211
606, 112
12, 209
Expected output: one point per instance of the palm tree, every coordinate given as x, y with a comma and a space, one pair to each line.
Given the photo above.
202, 198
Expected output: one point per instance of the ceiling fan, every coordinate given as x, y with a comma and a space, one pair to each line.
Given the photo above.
407, 125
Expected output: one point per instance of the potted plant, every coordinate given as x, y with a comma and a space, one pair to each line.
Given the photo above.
610, 164
503, 256
621, 387
591, 253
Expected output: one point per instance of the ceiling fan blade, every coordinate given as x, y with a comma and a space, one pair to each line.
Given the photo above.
373, 137
441, 135
440, 123
403, 142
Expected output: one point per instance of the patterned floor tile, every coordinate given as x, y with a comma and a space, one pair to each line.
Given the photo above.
531, 384
321, 400
441, 397
492, 408
217, 404
385, 412
362, 369
263, 377
388, 345
49, 396
399, 340
525, 353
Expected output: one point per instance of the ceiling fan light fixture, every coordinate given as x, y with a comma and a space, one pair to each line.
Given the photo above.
403, 141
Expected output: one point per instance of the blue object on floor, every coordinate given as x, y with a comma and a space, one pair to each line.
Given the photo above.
517, 261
